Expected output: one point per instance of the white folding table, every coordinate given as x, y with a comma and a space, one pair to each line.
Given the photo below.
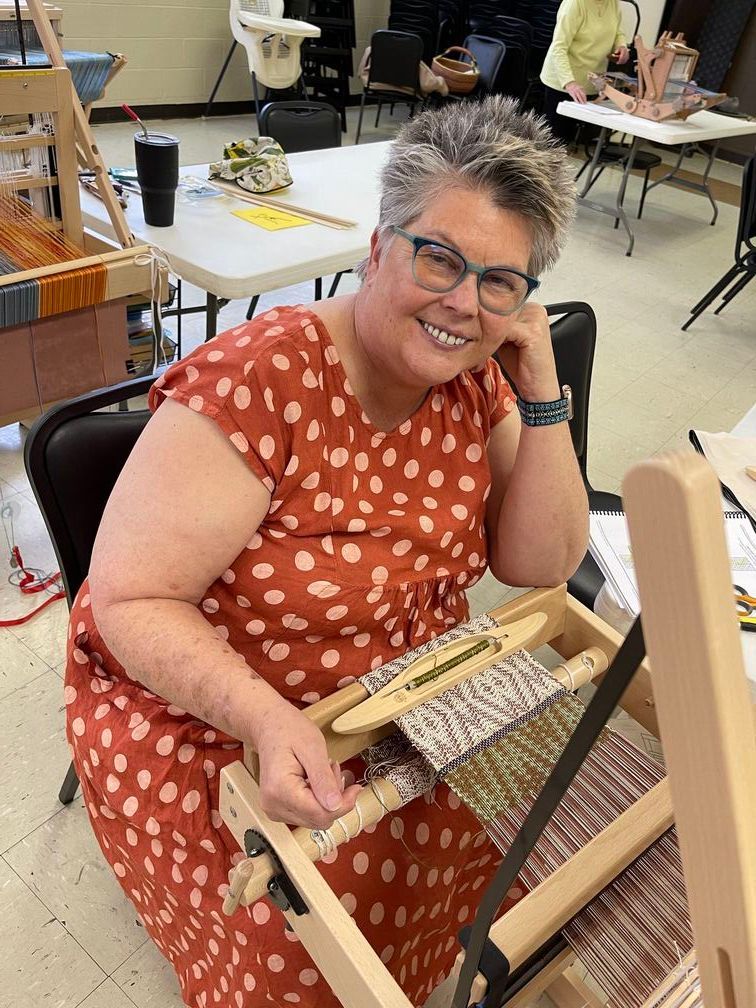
700, 127
229, 258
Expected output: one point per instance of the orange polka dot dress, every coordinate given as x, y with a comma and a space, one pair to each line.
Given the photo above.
366, 551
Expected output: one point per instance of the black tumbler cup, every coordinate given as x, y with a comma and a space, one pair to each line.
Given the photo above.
157, 164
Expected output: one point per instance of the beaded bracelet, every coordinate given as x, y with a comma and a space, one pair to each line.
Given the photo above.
541, 414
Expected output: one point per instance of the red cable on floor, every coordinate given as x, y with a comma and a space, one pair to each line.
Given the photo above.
28, 585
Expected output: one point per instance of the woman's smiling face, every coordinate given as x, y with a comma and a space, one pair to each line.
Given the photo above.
423, 338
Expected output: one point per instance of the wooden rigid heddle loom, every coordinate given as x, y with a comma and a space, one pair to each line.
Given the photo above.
649, 881
62, 290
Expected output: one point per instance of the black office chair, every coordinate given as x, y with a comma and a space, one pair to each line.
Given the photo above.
744, 270
489, 53
394, 74
573, 337
301, 126
73, 456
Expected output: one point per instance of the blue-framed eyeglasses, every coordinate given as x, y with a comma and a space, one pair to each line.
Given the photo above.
436, 267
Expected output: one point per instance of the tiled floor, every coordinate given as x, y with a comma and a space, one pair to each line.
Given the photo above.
68, 935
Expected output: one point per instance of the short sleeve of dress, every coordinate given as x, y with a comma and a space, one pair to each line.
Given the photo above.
497, 392
234, 380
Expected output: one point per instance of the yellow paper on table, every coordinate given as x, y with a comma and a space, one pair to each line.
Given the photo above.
270, 218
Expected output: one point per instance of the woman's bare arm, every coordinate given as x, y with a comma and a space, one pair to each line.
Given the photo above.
182, 510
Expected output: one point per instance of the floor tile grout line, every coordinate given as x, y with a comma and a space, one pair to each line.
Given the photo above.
55, 917
36, 895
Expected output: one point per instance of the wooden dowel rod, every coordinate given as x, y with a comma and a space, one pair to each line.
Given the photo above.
105, 259
19, 180
266, 201
25, 142
374, 803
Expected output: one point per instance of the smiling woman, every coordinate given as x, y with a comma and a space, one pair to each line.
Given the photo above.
335, 477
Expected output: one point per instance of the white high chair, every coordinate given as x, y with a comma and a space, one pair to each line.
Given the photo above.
271, 41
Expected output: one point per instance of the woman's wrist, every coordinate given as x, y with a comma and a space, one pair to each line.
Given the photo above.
254, 709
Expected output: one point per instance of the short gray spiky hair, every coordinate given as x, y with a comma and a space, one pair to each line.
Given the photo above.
488, 146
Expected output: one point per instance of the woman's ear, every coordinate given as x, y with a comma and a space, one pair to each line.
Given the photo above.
374, 258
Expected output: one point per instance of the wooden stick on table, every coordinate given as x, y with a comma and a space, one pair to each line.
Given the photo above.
313, 215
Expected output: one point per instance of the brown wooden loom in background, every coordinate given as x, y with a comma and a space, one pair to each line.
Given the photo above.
91, 349
698, 704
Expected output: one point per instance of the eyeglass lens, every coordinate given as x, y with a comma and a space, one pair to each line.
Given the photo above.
438, 269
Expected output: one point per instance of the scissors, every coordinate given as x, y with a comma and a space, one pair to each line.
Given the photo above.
746, 607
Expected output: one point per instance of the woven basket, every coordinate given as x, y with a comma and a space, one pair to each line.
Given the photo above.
460, 77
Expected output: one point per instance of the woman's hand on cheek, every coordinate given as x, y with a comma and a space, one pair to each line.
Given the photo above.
527, 355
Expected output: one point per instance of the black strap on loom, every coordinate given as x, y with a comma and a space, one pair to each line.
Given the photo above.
596, 715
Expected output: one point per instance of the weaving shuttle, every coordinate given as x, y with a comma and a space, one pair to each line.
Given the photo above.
454, 663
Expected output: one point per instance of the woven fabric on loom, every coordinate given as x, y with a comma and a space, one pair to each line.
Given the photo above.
494, 739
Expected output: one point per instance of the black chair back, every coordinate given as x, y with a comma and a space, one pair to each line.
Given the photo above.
73, 456
747, 219
395, 59
301, 126
489, 53
573, 338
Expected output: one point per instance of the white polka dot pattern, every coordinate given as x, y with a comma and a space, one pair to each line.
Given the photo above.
369, 540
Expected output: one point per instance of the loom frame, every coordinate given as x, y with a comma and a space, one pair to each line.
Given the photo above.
683, 573
26, 91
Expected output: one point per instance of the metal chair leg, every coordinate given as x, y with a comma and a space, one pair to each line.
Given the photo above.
378, 113
252, 307
359, 121
735, 290
335, 282
711, 295
318, 288
595, 179
70, 786
643, 193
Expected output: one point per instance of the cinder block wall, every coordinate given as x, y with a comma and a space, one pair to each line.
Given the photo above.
175, 50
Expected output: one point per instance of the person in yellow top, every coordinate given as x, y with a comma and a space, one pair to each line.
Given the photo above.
587, 34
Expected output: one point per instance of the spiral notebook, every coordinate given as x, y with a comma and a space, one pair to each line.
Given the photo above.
609, 545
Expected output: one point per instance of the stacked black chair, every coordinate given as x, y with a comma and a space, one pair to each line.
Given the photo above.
452, 22
394, 74
327, 63
420, 17
489, 54
744, 269
517, 35
481, 13
301, 126
541, 15
73, 457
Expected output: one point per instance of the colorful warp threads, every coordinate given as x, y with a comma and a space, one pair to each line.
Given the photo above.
28, 242
494, 739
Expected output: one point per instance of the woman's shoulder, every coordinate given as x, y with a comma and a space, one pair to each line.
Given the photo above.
266, 350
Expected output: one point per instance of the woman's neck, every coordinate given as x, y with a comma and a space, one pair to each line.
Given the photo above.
386, 403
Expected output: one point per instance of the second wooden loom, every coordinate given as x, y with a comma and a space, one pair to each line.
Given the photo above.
696, 701
49, 264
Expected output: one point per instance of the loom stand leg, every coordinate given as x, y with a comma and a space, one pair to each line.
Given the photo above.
569, 991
